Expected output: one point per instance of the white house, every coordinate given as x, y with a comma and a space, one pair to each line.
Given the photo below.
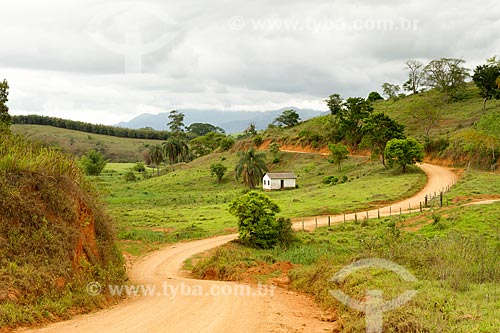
278, 180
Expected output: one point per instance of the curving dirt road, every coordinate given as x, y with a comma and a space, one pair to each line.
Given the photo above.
175, 303
438, 179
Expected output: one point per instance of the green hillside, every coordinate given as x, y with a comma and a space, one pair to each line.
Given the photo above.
77, 143
187, 202
451, 126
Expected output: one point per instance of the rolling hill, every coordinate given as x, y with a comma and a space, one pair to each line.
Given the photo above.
77, 143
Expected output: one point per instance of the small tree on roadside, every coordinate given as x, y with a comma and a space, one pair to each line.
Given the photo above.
218, 170
93, 163
257, 224
378, 129
338, 153
403, 152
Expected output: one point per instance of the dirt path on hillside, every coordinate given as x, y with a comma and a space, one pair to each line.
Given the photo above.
180, 304
438, 179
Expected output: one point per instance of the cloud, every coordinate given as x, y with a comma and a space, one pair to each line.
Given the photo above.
109, 62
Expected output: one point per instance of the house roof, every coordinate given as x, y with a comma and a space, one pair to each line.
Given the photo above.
281, 175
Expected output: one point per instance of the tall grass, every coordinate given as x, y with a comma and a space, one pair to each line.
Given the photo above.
54, 236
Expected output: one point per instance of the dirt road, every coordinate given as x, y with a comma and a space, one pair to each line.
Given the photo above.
175, 303
438, 179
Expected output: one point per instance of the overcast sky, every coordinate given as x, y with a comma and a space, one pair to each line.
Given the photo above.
108, 61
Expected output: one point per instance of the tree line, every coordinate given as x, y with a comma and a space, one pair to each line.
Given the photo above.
143, 133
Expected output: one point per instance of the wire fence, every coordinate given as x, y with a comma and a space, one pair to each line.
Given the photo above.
428, 201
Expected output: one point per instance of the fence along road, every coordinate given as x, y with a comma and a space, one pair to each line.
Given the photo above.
439, 180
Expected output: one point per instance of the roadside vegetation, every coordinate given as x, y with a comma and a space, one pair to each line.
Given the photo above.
55, 236
453, 252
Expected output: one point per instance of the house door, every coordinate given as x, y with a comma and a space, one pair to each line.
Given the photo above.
282, 183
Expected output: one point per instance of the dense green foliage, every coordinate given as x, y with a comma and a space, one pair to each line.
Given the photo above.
378, 129
486, 78
350, 115
257, 223
403, 152
218, 170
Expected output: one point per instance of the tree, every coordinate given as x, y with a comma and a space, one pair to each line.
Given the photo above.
201, 129
206, 144
403, 152
219, 170
350, 115
338, 153
446, 75
486, 77
5, 119
391, 90
427, 112
251, 130
176, 150
93, 163
257, 225
274, 148
252, 167
288, 118
176, 124
415, 76
373, 97
156, 156
379, 129
335, 104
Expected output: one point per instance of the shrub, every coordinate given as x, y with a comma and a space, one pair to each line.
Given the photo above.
130, 177
139, 167
276, 160
226, 143
257, 140
93, 163
330, 180
257, 224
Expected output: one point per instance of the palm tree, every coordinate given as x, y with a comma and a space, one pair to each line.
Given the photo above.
156, 156
176, 150
252, 166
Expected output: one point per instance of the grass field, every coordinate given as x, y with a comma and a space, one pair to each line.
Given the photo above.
186, 202
453, 254
78, 143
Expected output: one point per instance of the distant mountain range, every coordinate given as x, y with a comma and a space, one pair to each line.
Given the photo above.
230, 121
